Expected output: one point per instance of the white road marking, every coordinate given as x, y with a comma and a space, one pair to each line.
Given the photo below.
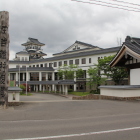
81, 134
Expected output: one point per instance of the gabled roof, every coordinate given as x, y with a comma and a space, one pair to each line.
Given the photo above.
33, 41
81, 43
130, 47
68, 56
86, 44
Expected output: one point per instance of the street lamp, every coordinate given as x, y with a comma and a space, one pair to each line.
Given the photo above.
19, 75
26, 80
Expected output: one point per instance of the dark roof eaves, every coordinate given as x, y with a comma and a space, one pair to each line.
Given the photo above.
108, 50
75, 51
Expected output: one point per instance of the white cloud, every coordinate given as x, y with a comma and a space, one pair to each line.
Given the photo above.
59, 23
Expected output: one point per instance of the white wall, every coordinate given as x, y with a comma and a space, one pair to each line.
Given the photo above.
135, 76
120, 92
11, 95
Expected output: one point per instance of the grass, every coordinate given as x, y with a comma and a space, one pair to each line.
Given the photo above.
79, 93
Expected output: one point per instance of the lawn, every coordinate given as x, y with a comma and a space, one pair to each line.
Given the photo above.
79, 93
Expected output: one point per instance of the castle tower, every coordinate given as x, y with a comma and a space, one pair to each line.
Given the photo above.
33, 48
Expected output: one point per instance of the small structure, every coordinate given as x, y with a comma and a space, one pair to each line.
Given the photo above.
32, 51
128, 56
14, 94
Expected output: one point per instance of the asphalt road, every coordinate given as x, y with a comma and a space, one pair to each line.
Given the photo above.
64, 119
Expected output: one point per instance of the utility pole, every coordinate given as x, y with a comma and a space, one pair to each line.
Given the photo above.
4, 57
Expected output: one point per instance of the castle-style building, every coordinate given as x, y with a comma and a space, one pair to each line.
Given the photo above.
40, 73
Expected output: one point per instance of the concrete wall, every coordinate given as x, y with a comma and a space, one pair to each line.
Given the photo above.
120, 92
135, 76
13, 97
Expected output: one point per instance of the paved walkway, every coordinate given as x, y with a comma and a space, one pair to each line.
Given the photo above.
42, 97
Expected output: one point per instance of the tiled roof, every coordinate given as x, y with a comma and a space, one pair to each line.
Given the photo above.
22, 52
32, 69
79, 42
75, 55
14, 89
133, 44
89, 49
32, 41
56, 82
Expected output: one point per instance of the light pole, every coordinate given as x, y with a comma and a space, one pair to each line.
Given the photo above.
26, 80
19, 75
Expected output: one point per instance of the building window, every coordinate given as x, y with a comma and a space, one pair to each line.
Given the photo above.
37, 65
55, 64
17, 66
33, 65
65, 62
45, 64
41, 65
60, 63
76, 61
24, 66
83, 60
50, 64
89, 60
70, 62
25, 58
22, 58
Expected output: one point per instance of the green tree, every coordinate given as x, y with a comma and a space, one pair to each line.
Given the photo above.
94, 79
79, 73
22, 87
67, 72
117, 74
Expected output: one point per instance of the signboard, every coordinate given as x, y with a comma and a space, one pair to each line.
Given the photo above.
4, 56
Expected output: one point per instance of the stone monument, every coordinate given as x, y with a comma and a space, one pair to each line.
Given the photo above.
4, 57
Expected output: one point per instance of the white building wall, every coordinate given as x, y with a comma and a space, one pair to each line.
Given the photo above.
134, 76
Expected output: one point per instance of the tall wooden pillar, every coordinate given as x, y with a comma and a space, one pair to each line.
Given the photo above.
4, 56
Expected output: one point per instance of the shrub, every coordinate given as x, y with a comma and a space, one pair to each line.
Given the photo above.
70, 90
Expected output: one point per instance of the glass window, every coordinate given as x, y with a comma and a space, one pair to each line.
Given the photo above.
83, 60
55, 64
41, 65
45, 64
89, 60
76, 61
70, 62
65, 62
60, 63
50, 64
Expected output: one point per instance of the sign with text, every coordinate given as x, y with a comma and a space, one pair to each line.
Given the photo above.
4, 56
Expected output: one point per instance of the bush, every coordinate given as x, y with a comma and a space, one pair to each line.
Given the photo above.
95, 91
26, 86
22, 87
70, 90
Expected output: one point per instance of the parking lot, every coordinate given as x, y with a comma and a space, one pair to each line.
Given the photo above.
66, 119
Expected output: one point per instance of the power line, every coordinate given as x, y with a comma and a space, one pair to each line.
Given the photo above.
106, 5
126, 2
115, 4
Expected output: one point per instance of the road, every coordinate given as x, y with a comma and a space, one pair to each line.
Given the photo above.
64, 119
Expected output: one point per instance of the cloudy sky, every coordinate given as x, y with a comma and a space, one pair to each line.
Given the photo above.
59, 23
